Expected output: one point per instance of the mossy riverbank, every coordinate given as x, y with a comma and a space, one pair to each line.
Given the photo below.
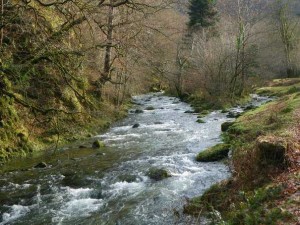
265, 143
20, 137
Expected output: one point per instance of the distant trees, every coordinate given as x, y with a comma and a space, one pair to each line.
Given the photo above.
288, 28
202, 13
229, 45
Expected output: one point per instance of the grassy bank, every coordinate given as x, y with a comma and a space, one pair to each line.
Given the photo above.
265, 164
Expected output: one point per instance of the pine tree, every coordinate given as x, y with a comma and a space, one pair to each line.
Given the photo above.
202, 13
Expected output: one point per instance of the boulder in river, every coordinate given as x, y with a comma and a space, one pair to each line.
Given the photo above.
215, 153
98, 144
200, 121
225, 126
234, 114
250, 107
272, 149
158, 174
136, 125
138, 111
189, 111
41, 165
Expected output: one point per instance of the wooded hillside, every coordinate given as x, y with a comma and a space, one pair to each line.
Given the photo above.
66, 64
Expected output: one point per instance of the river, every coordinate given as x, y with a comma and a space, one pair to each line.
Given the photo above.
110, 185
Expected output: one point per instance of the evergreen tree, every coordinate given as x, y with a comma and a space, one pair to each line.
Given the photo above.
202, 13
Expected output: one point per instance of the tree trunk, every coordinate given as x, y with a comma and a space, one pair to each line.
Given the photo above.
105, 74
2, 31
109, 37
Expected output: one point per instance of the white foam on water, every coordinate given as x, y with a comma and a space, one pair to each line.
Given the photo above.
15, 186
77, 203
77, 208
121, 188
16, 211
79, 193
81, 207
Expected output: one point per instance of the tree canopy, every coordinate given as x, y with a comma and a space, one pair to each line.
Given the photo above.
202, 13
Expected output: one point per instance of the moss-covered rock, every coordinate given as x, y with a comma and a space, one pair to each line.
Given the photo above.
200, 121
225, 126
98, 144
214, 196
215, 153
158, 174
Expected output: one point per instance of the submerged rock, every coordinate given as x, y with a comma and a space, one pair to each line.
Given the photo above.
98, 144
225, 126
189, 111
150, 108
158, 174
250, 107
41, 165
234, 114
136, 125
100, 154
272, 149
72, 179
128, 178
135, 103
224, 111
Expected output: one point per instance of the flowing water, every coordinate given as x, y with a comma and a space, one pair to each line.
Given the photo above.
110, 186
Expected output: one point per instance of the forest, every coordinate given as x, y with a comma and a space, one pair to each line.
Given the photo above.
72, 69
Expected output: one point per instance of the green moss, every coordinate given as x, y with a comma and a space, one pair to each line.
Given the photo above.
213, 198
215, 153
239, 207
98, 144
200, 121
257, 207
158, 174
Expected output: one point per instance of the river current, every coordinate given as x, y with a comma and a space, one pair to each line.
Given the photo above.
82, 185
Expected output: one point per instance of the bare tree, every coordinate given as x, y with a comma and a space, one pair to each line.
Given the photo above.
287, 26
